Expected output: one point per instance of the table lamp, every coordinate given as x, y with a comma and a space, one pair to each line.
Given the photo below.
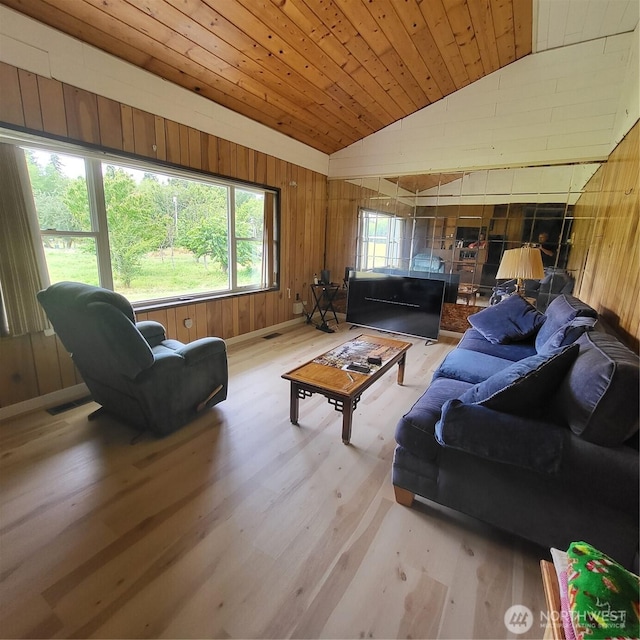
521, 264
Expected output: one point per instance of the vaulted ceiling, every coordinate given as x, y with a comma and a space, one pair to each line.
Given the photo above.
324, 72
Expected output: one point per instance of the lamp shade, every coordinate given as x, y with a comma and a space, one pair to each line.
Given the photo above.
524, 263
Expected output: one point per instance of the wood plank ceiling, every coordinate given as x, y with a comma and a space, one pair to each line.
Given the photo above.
324, 72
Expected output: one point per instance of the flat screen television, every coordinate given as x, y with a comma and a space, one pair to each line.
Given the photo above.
400, 304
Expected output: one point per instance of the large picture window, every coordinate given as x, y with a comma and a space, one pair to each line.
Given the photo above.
379, 240
153, 233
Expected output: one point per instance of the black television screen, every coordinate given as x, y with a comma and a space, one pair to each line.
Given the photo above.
400, 304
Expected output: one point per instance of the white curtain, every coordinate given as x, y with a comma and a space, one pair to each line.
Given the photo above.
22, 264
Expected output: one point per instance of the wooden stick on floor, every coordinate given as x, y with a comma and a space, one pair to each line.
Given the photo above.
203, 404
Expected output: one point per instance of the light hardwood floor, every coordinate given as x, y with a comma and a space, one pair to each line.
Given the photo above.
243, 525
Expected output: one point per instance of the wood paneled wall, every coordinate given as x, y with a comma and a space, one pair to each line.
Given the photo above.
34, 365
607, 229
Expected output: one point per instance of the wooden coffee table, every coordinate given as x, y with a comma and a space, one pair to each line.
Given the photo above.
328, 375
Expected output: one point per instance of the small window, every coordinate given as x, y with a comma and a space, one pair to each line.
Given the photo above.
379, 240
61, 197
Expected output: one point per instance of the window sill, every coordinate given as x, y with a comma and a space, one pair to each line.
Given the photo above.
150, 305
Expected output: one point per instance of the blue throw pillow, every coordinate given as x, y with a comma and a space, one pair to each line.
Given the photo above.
511, 320
525, 387
599, 395
469, 366
561, 311
565, 335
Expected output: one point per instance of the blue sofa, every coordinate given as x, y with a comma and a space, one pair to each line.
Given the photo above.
531, 425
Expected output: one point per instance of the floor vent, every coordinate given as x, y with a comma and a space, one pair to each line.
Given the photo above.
69, 405
275, 334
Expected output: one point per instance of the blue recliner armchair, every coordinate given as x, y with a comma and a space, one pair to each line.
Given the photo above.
131, 369
427, 262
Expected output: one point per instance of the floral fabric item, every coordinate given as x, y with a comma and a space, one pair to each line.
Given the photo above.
567, 625
560, 564
603, 596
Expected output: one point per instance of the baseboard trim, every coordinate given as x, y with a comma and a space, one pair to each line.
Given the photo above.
258, 333
44, 402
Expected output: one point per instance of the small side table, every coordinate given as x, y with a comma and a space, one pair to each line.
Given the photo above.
323, 296
468, 293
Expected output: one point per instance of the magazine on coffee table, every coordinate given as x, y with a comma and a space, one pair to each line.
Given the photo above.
357, 352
